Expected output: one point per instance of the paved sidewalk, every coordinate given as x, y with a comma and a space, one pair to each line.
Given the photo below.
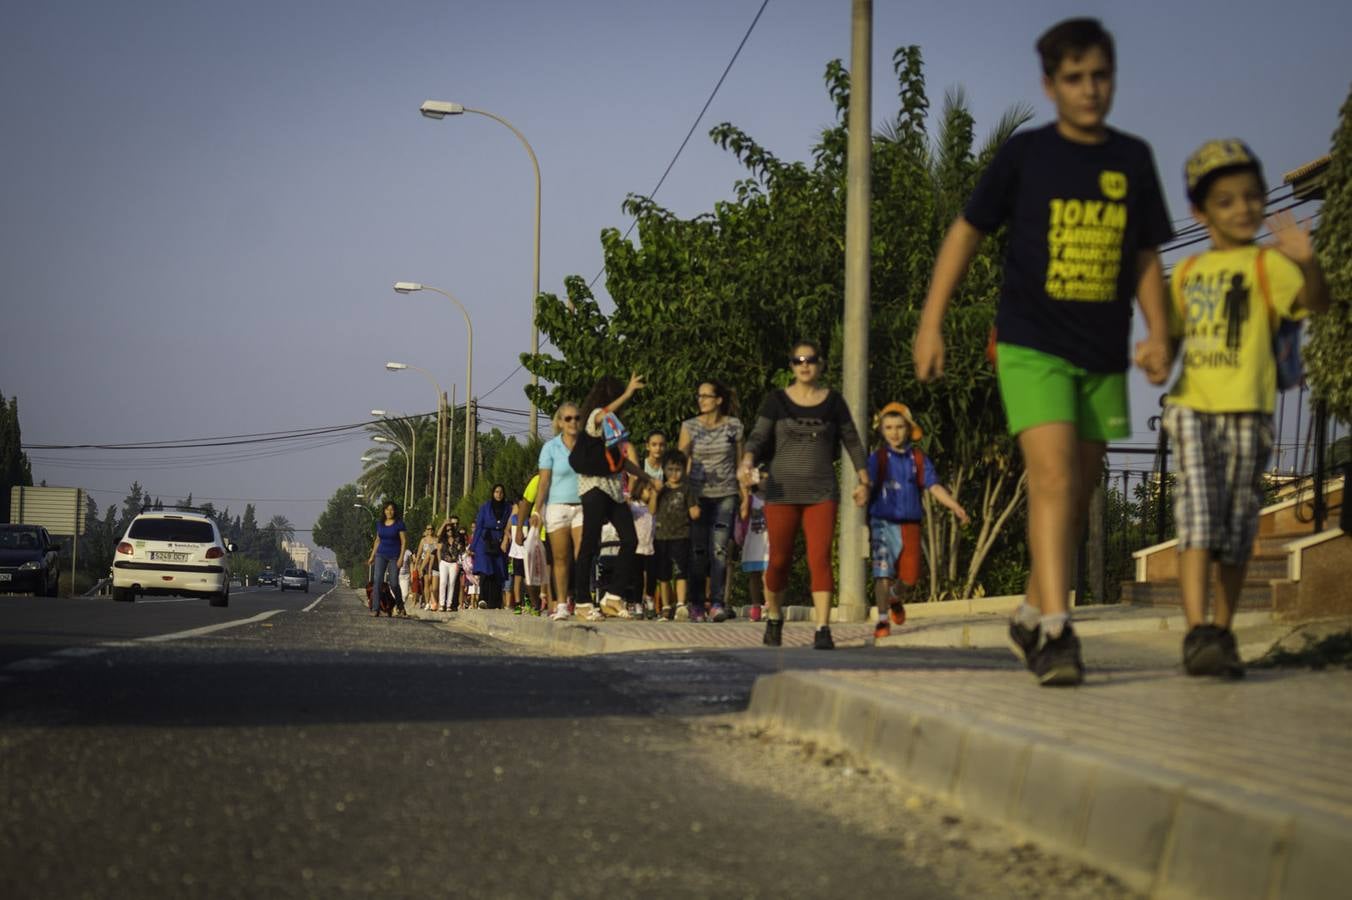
1182, 787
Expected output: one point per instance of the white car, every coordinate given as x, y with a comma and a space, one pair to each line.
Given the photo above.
172, 551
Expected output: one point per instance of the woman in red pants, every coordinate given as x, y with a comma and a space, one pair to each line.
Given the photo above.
797, 431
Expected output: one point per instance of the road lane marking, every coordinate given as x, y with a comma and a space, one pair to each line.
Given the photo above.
321, 597
208, 629
166, 600
77, 652
36, 664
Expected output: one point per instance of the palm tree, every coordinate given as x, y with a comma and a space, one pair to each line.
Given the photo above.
281, 529
385, 473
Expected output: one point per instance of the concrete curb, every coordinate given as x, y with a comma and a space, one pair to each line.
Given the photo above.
571, 638
995, 631
1160, 834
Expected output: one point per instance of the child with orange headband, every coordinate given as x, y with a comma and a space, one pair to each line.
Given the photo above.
900, 475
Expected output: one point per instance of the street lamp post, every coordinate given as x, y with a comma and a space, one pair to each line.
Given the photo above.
440, 109
400, 367
382, 439
410, 287
410, 485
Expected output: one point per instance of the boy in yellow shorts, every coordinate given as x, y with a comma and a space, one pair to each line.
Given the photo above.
1226, 304
1085, 215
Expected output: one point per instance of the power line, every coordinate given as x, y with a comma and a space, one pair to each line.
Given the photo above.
695, 124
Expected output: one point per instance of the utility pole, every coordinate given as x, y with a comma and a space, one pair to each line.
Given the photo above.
854, 350
471, 426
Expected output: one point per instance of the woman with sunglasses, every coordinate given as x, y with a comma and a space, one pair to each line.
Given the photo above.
798, 431
712, 443
558, 503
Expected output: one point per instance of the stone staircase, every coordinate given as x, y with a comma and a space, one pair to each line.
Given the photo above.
1295, 572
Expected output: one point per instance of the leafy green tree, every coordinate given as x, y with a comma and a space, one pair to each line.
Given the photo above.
1326, 365
507, 462
347, 527
15, 468
726, 293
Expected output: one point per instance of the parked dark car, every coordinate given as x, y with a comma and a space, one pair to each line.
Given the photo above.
28, 560
267, 576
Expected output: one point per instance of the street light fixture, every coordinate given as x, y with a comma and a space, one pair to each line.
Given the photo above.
400, 367
409, 482
413, 287
382, 439
440, 109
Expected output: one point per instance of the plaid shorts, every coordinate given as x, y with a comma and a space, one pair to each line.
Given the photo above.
1221, 457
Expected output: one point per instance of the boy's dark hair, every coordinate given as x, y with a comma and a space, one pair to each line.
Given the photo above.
654, 433
674, 456
605, 392
1074, 38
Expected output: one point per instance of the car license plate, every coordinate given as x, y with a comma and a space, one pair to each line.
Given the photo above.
167, 556
6, 576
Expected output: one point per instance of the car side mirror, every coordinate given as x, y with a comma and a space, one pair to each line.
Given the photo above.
55, 545
231, 547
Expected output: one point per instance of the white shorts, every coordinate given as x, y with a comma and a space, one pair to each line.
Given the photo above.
561, 517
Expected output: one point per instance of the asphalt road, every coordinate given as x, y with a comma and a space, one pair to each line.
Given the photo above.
317, 752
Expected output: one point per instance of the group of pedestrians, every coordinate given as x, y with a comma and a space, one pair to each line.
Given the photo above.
1084, 217
673, 517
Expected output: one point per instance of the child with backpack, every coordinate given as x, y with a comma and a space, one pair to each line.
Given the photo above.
1228, 306
900, 475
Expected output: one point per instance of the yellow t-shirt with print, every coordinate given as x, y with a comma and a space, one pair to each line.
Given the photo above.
1216, 306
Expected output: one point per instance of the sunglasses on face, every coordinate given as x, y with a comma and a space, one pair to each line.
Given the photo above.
805, 360
569, 418
707, 396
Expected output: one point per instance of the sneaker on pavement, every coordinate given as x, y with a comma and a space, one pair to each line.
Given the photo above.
1211, 650
731, 611
1234, 666
669, 613
1056, 661
1023, 641
718, 614
774, 633
882, 629
822, 639
682, 613
560, 613
754, 614
897, 613
612, 605
697, 613
595, 615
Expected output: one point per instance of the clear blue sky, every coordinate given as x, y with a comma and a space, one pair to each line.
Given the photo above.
205, 204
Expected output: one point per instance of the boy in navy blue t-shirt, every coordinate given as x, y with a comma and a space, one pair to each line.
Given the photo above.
895, 510
1085, 216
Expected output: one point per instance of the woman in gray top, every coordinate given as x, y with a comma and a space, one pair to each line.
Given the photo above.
712, 443
798, 430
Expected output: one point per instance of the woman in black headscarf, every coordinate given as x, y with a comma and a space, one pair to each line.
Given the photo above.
490, 547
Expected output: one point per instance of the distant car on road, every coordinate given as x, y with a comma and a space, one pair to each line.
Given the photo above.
267, 576
172, 551
28, 560
296, 580
328, 577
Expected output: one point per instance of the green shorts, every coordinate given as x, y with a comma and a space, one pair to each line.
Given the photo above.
1038, 388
